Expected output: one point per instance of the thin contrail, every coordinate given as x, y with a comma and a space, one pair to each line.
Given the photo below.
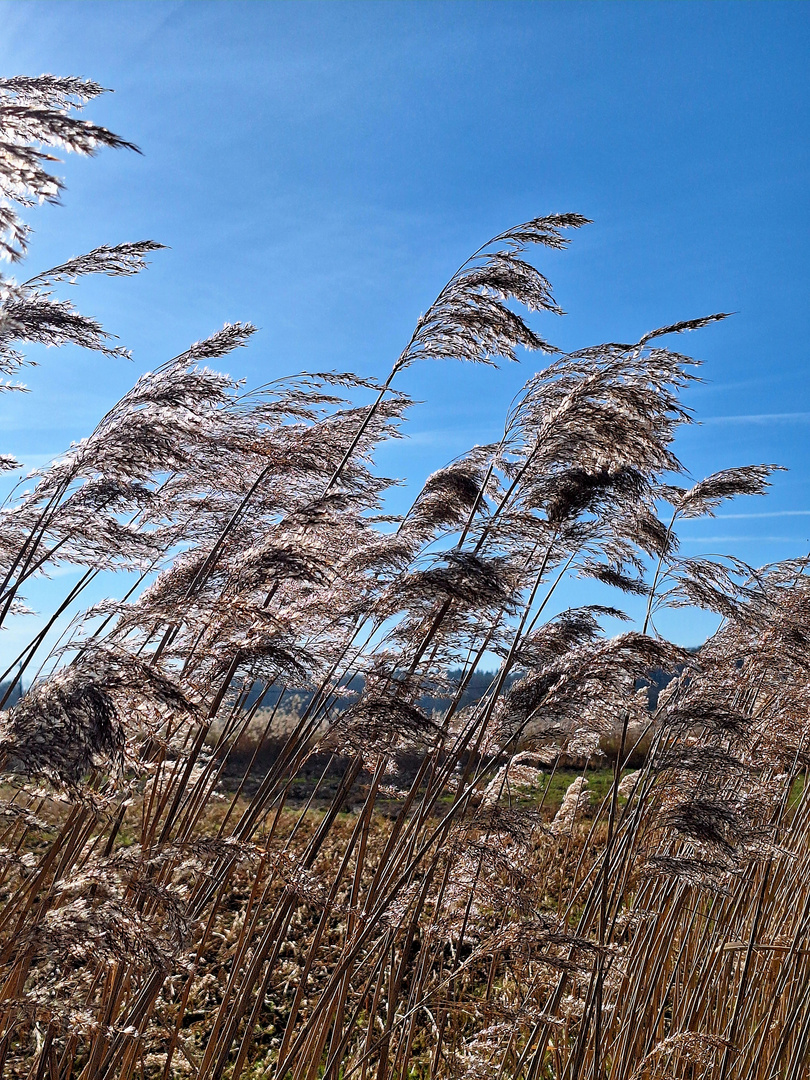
759, 418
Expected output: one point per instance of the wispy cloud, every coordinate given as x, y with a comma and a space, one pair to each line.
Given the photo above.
731, 539
764, 514
38, 461
457, 438
759, 418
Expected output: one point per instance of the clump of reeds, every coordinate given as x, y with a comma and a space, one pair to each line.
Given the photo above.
155, 923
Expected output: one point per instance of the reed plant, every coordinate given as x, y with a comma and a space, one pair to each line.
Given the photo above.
156, 921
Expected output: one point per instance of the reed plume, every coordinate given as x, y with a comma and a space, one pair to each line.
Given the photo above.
381, 885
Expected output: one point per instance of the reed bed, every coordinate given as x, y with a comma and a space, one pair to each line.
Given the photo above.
433, 906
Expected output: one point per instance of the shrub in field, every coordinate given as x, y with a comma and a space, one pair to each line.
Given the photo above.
153, 924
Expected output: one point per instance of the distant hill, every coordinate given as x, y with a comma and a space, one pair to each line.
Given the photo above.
476, 688
14, 696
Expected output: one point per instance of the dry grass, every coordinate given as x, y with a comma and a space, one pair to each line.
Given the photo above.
195, 883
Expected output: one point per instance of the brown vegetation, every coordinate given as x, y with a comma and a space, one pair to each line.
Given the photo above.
452, 918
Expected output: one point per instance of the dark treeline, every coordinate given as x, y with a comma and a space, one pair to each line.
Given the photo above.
477, 687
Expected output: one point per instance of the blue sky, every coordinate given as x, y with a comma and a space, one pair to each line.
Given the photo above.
320, 168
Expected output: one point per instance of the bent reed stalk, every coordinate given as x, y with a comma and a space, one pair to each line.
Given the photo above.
391, 892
